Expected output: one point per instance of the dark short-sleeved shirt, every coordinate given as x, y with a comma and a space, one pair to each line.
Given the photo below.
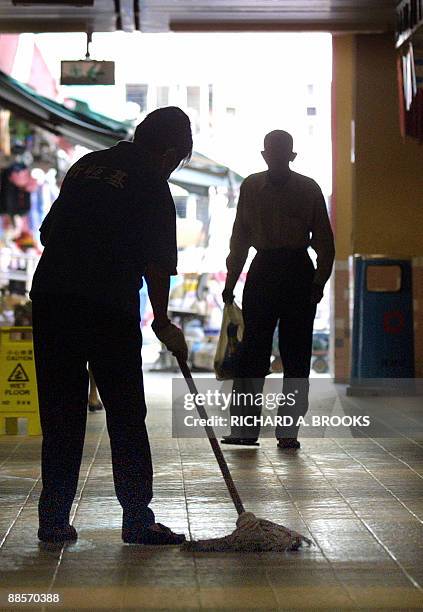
113, 217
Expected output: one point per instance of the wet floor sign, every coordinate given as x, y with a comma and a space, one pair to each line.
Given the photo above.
18, 384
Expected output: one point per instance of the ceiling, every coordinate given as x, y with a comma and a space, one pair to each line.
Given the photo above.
198, 15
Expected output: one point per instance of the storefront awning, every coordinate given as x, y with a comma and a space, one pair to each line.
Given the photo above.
96, 131
198, 181
88, 129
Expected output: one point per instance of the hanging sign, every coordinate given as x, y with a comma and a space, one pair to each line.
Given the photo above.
87, 72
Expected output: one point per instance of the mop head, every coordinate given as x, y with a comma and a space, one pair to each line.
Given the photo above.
252, 534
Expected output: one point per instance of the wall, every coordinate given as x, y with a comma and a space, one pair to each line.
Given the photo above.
389, 171
343, 98
379, 196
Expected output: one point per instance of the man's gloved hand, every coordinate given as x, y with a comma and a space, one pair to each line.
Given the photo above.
173, 339
316, 293
228, 296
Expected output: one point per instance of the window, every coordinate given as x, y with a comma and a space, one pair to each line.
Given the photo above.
202, 209
193, 107
162, 96
137, 93
310, 89
181, 206
193, 98
311, 111
210, 99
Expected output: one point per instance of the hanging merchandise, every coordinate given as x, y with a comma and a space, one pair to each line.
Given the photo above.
415, 122
5, 146
20, 176
410, 81
418, 66
42, 197
401, 96
16, 183
36, 214
16, 186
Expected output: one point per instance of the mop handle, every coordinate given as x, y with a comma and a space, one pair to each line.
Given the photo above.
212, 439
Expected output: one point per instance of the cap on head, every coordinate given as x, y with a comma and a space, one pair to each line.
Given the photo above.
166, 128
278, 140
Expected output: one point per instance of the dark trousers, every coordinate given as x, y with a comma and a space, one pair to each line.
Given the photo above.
277, 292
68, 333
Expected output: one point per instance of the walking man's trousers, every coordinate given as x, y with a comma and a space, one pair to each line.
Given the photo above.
277, 292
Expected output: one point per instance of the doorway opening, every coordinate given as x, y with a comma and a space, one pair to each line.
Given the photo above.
236, 87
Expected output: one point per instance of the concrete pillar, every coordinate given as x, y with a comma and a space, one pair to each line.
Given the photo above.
378, 178
343, 96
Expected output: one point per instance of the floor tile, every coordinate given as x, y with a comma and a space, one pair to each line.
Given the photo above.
359, 500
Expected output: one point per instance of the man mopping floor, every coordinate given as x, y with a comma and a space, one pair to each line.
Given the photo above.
281, 214
113, 223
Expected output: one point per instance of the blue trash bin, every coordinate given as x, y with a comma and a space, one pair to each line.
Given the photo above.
383, 333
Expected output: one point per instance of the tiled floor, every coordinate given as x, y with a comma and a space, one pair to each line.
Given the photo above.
361, 502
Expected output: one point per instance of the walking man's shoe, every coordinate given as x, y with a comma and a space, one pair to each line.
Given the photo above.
155, 535
57, 534
239, 441
288, 443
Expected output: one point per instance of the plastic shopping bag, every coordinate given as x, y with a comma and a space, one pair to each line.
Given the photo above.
228, 346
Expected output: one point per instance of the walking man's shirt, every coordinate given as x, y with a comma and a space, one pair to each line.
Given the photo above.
281, 214
289, 215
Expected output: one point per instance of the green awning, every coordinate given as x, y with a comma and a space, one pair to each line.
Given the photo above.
88, 129
96, 131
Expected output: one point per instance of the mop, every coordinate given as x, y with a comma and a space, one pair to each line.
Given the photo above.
252, 534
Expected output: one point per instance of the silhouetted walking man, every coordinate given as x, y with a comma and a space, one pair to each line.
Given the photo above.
113, 223
280, 213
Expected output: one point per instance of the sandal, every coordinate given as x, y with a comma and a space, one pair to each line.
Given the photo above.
239, 441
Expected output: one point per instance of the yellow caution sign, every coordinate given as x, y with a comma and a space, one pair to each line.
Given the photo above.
18, 383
